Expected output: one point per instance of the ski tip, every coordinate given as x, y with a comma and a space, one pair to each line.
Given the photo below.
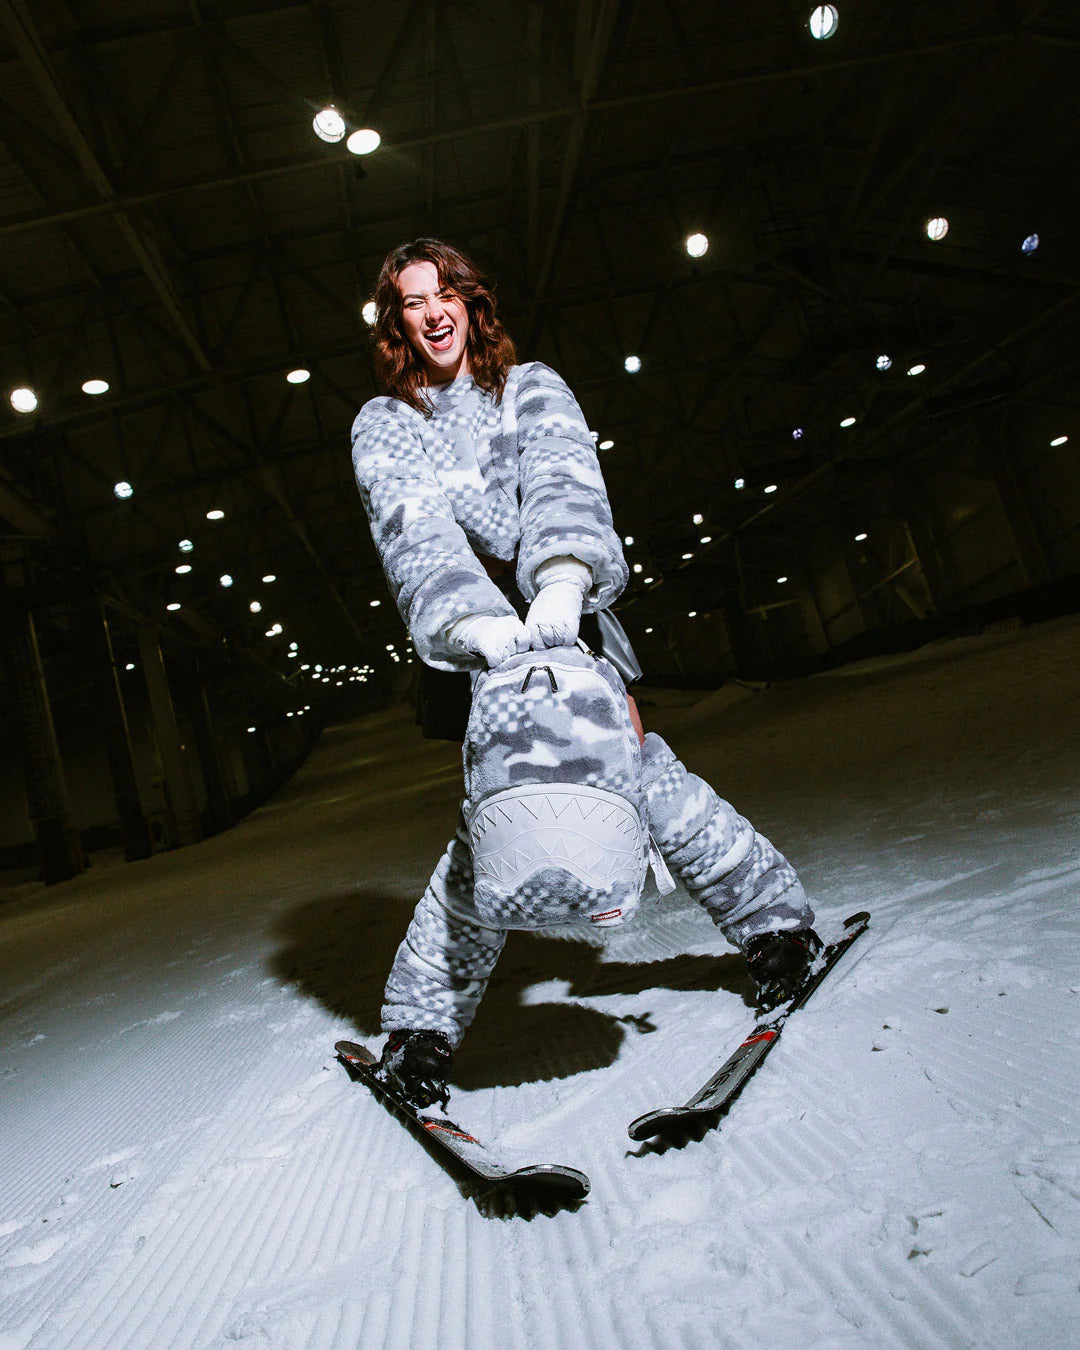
652, 1123
354, 1053
863, 917
567, 1182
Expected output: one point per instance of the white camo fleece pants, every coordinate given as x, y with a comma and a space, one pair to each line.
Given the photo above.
745, 885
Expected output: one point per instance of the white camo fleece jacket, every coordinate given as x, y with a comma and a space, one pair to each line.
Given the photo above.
515, 478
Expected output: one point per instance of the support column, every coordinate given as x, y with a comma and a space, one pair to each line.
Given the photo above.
46, 789
181, 792
138, 841
219, 800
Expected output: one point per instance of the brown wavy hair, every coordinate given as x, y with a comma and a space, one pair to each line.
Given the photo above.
490, 349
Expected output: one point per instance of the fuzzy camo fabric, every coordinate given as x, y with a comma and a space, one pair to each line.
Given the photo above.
555, 721
518, 478
745, 884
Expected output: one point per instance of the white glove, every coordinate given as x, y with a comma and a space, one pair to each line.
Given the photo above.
555, 615
494, 637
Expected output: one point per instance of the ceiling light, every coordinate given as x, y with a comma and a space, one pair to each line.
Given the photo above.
250, 729
628, 540
375, 604
860, 537
183, 569
647, 581
771, 488
123, 490
255, 607
883, 362
697, 518
687, 557
269, 578
937, 228
329, 125
364, 141
632, 365
225, 579
740, 483
1030, 244
780, 580
606, 445
130, 665
705, 539
298, 376
916, 369
369, 312
692, 614
848, 422
697, 245
648, 630
185, 546
215, 514
95, 387
173, 607
797, 434
638, 567
823, 22
1059, 440
23, 400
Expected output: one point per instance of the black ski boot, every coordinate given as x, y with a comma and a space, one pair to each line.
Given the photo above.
418, 1064
779, 962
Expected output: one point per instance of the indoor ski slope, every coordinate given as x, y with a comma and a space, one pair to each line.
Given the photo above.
185, 1164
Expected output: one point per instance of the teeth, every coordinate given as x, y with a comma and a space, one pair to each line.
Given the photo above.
439, 334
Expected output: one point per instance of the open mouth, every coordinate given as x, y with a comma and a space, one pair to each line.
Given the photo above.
440, 338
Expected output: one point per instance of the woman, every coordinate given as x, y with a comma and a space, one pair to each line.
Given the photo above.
490, 515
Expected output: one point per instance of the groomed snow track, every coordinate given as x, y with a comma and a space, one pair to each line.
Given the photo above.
186, 1165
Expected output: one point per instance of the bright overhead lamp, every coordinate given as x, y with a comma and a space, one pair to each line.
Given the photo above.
369, 312
916, 369
225, 580
606, 445
705, 539
215, 514
771, 488
638, 567
1059, 440
698, 518
692, 614
329, 125
687, 556
823, 22
937, 229
632, 365
860, 537
883, 362
648, 630
94, 387
173, 607
780, 580
697, 245
740, 483
182, 570
797, 433
1030, 244
255, 607
269, 578
647, 581
364, 141
130, 665
628, 540
298, 376
123, 490
848, 422
375, 604
23, 400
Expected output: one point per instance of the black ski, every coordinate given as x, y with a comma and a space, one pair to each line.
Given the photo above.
711, 1098
540, 1180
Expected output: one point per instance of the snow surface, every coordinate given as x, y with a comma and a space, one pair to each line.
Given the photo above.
186, 1165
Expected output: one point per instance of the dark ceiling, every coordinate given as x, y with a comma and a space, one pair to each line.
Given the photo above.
170, 223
